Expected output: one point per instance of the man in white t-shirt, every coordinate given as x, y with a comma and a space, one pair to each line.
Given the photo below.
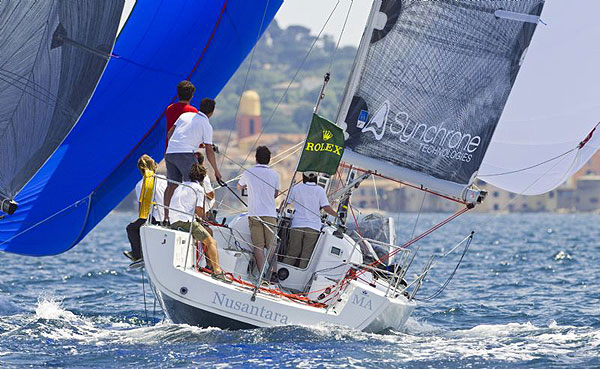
308, 199
209, 191
191, 130
262, 184
187, 207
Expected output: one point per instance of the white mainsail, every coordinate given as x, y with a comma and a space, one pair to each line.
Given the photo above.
554, 105
429, 86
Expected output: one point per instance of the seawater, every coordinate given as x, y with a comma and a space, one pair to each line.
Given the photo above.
527, 294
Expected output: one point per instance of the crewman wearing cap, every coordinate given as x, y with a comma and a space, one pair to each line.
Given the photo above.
308, 199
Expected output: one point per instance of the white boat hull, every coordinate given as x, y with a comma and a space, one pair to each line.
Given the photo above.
192, 297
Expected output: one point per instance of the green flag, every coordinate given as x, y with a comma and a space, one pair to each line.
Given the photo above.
323, 148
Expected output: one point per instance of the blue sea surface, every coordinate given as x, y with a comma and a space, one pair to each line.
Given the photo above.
527, 294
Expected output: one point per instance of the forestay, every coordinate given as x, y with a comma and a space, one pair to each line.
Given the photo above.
429, 86
52, 54
554, 105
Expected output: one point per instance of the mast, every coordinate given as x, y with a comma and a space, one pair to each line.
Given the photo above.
359, 61
270, 253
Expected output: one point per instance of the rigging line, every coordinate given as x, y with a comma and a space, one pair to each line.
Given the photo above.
376, 193
200, 58
296, 147
420, 188
144, 66
292, 81
447, 282
416, 239
44, 220
341, 34
237, 110
418, 215
580, 145
153, 127
530, 167
412, 259
538, 179
144, 294
268, 184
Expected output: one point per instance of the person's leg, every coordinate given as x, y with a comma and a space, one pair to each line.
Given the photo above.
257, 236
212, 255
294, 247
173, 174
309, 241
133, 233
184, 162
269, 228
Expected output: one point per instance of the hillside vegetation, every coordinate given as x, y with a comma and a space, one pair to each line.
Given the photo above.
278, 56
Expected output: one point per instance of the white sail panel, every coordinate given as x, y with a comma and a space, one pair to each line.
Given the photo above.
554, 105
430, 85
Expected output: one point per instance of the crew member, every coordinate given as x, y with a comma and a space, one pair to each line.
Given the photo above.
190, 131
187, 210
209, 191
308, 199
262, 184
144, 189
185, 93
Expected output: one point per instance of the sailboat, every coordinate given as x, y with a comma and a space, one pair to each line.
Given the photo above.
424, 99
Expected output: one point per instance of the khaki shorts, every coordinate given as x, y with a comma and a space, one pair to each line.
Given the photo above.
301, 246
198, 231
262, 230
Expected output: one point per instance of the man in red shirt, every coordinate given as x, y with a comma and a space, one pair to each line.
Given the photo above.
185, 92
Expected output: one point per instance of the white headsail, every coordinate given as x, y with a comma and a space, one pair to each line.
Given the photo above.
554, 105
430, 84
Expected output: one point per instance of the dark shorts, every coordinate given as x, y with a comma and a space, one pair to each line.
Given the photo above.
179, 165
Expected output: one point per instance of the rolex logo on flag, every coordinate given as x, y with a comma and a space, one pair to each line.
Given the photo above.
323, 148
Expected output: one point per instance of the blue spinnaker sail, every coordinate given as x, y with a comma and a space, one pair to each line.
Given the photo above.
161, 43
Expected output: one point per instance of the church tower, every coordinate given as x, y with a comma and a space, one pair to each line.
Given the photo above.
248, 120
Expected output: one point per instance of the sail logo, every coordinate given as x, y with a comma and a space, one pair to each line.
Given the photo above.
432, 139
377, 123
327, 135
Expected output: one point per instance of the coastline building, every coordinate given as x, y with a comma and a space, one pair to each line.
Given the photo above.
248, 121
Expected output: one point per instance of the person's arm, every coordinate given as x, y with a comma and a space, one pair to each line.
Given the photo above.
200, 212
210, 155
324, 204
170, 133
276, 184
242, 182
329, 210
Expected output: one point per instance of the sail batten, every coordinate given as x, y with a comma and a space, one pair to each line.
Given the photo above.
430, 86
